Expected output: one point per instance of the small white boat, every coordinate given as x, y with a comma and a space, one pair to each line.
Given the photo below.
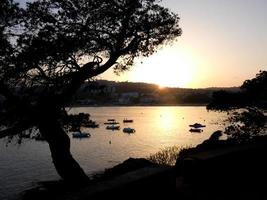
111, 123
113, 127
128, 130
80, 135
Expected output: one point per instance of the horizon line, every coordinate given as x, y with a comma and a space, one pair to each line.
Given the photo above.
171, 87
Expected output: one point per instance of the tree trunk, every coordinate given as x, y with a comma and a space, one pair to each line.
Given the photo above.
59, 144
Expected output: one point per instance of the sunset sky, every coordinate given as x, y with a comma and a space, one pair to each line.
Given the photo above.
223, 43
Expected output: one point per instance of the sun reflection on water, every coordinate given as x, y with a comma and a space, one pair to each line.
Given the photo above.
167, 119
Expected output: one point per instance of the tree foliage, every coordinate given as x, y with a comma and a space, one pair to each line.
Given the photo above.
256, 90
246, 108
253, 93
51, 47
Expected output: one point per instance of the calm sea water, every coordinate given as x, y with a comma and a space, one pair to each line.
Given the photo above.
23, 166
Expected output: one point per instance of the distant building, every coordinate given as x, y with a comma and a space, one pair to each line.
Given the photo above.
128, 98
130, 95
148, 98
96, 88
109, 89
124, 100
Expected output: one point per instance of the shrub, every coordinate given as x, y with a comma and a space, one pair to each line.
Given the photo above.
167, 155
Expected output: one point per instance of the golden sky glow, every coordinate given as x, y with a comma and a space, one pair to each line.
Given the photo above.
223, 43
169, 67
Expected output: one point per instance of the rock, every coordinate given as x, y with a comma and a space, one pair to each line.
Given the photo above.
128, 165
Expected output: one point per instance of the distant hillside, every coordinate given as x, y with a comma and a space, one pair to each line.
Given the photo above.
103, 92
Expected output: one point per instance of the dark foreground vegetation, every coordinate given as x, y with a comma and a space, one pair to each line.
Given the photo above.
234, 168
215, 169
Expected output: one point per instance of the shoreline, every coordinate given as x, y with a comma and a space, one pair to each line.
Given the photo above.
140, 105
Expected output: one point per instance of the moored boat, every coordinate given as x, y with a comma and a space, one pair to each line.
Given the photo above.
111, 123
113, 127
91, 124
127, 121
197, 125
129, 130
80, 135
196, 130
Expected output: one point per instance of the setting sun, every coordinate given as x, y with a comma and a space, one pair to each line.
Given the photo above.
169, 67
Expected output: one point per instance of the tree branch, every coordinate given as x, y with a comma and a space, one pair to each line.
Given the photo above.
42, 72
18, 128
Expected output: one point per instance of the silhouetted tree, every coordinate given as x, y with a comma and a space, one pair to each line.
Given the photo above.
253, 93
246, 108
224, 100
50, 48
256, 90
